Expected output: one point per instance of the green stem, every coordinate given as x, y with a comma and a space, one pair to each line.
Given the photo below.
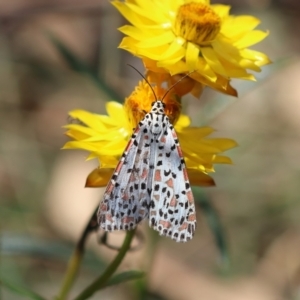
76, 258
71, 274
101, 281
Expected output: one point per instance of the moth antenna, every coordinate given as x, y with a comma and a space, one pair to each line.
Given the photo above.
186, 75
145, 80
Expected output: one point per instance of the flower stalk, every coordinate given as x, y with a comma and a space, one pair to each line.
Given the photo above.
76, 258
102, 280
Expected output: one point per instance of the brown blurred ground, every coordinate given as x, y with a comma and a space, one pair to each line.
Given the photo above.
41, 187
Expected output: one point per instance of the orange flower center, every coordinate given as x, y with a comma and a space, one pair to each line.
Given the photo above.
197, 23
140, 102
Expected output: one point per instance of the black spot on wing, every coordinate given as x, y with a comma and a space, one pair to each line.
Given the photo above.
167, 173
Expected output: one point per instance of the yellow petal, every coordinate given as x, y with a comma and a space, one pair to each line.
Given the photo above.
162, 39
192, 53
235, 27
183, 121
109, 161
219, 83
213, 61
153, 53
128, 44
204, 69
222, 144
222, 160
237, 71
259, 57
114, 147
251, 38
202, 163
226, 51
168, 63
99, 177
89, 119
134, 32
79, 145
76, 135
112, 134
199, 132
134, 19
198, 178
105, 161
116, 116
221, 10
79, 132
141, 3
152, 13
114, 109
174, 50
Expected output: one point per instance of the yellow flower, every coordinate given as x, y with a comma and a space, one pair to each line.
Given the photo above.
106, 136
180, 36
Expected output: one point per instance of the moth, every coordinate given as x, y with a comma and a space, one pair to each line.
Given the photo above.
151, 181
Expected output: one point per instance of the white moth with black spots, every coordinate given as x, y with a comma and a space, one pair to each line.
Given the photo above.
151, 181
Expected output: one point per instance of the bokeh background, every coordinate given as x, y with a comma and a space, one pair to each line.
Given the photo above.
60, 55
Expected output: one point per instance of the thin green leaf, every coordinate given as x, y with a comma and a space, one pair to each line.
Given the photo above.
125, 276
14, 244
20, 290
143, 293
213, 222
78, 65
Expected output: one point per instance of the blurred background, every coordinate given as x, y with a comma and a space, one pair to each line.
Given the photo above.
60, 55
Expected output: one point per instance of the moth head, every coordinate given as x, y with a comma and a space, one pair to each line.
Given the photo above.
158, 107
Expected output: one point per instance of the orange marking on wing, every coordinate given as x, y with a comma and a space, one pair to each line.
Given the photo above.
185, 175
109, 188
146, 154
125, 197
132, 178
165, 224
179, 151
156, 197
144, 173
163, 139
174, 134
129, 145
170, 183
173, 202
119, 166
190, 196
192, 217
157, 176
183, 226
108, 217
103, 207
127, 220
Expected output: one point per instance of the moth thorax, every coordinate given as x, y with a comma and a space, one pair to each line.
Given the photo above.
157, 124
